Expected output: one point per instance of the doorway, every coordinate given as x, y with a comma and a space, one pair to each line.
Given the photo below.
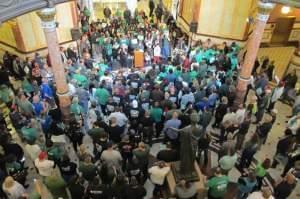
282, 31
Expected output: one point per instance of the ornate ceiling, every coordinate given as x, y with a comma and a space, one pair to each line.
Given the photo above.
12, 8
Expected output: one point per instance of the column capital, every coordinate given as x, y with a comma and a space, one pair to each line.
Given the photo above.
264, 10
47, 15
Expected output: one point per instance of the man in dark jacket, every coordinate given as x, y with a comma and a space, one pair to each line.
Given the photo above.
283, 146
151, 7
96, 190
127, 15
168, 154
159, 12
290, 81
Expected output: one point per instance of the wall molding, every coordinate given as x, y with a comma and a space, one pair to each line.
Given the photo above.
31, 51
206, 35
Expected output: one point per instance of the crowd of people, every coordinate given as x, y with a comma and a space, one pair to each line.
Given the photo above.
125, 110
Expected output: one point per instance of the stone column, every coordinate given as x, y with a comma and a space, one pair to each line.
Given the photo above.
49, 26
252, 48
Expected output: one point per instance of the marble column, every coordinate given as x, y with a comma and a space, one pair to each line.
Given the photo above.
252, 48
62, 90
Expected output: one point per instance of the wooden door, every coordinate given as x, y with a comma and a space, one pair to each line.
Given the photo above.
283, 30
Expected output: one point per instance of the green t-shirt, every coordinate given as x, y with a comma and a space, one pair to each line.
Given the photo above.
218, 186
186, 77
118, 13
76, 109
81, 79
156, 114
13, 167
234, 63
56, 186
199, 57
193, 74
102, 95
102, 69
86, 12
85, 28
30, 134
177, 73
101, 40
25, 106
96, 133
5, 94
34, 195
108, 48
88, 171
26, 86
260, 170
55, 152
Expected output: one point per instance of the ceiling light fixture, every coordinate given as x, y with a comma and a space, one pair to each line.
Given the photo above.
285, 10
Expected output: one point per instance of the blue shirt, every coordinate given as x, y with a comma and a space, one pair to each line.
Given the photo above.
46, 91
38, 108
172, 123
171, 77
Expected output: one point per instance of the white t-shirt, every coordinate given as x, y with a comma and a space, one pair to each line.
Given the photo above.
14, 192
121, 118
108, 80
112, 157
72, 89
33, 151
44, 167
258, 195
240, 115
157, 175
157, 51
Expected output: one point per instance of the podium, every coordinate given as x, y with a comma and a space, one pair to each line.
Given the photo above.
138, 59
200, 186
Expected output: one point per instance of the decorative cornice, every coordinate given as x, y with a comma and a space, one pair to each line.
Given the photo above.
265, 8
47, 14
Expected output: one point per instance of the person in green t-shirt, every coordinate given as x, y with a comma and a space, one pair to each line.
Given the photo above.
76, 109
102, 96
194, 73
97, 133
261, 171
27, 87
88, 169
156, 114
6, 94
80, 79
29, 133
56, 185
54, 152
87, 13
217, 185
199, 56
